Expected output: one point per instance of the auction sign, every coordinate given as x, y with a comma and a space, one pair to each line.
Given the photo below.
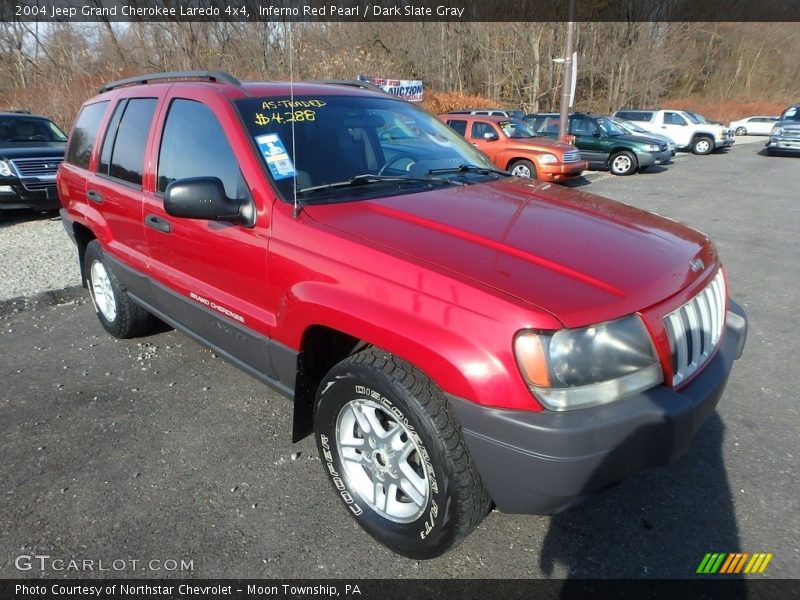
405, 88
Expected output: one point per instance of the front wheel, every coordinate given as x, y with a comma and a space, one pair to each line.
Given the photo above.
623, 163
740, 131
396, 455
703, 145
523, 168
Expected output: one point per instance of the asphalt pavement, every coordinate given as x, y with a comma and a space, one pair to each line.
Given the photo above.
158, 455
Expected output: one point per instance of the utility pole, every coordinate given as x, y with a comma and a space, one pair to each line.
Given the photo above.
566, 78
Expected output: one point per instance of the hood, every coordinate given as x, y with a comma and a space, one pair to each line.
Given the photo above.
583, 258
540, 143
32, 150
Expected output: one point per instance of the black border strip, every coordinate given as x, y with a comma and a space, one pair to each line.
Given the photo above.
259, 11
710, 588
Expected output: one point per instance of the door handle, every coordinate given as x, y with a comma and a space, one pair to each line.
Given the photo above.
94, 196
157, 223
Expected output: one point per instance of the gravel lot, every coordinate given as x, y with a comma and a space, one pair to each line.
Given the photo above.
154, 448
36, 255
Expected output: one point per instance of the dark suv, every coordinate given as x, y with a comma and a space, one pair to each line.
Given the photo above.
605, 145
452, 335
31, 148
785, 134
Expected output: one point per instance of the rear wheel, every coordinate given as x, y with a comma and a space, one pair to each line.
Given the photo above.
523, 168
703, 145
118, 314
396, 455
622, 163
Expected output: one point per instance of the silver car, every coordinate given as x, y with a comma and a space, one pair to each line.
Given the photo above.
637, 131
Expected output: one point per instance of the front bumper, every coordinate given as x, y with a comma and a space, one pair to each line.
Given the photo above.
726, 142
561, 171
784, 145
14, 195
647, 159
542, 463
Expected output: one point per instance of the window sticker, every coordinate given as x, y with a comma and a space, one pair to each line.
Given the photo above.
278, 161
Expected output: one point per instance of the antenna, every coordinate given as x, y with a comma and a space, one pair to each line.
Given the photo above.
296, 209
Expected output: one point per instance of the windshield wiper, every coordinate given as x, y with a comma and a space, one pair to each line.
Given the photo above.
469, 169
368, 178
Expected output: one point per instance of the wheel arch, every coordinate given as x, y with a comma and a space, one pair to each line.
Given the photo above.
83, 235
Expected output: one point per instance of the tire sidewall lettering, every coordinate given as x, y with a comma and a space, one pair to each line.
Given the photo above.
432, 517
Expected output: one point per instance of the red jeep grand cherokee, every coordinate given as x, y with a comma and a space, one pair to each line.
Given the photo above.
453, 336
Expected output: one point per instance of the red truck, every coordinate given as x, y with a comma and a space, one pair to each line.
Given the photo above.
453, 336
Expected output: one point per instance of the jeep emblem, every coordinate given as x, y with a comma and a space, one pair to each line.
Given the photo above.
697, 264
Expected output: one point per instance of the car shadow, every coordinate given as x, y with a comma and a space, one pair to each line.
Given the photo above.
652, 169
579, 181
17, 216
657, 524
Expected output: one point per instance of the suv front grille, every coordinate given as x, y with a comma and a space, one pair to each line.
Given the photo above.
571, 157
791, 133
694, 330
37, 167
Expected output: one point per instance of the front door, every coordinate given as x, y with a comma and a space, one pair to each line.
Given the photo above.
476, 135
212, 274
592, 142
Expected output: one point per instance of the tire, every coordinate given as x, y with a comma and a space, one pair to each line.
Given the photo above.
523, 168
623, 163
702, 145
396, 455
740, 131
118, 314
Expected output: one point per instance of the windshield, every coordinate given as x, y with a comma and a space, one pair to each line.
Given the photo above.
29, 129
609, 127
694, 118
516, 129
323, 140
792, 114
630, 126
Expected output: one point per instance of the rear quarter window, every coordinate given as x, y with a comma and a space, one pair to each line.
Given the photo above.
631, 115
84, 134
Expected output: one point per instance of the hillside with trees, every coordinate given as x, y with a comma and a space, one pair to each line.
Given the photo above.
726, 70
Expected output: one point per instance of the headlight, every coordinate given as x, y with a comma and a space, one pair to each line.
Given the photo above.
776, 131
577, 368
651, 147
5, 169
548, 159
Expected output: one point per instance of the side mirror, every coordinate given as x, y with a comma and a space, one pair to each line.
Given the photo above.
204, 198
596, 134
490, 136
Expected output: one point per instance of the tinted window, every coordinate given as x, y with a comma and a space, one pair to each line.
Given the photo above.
84, 134
127, 157
111, 135
194, 145
632, 115
460, 127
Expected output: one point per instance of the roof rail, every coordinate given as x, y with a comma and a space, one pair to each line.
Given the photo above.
352, 83
220, 76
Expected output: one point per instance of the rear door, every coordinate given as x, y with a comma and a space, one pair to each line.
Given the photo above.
209, 275
115, 187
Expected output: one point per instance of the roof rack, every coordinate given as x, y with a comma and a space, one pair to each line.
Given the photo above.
220, 76
352, 83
